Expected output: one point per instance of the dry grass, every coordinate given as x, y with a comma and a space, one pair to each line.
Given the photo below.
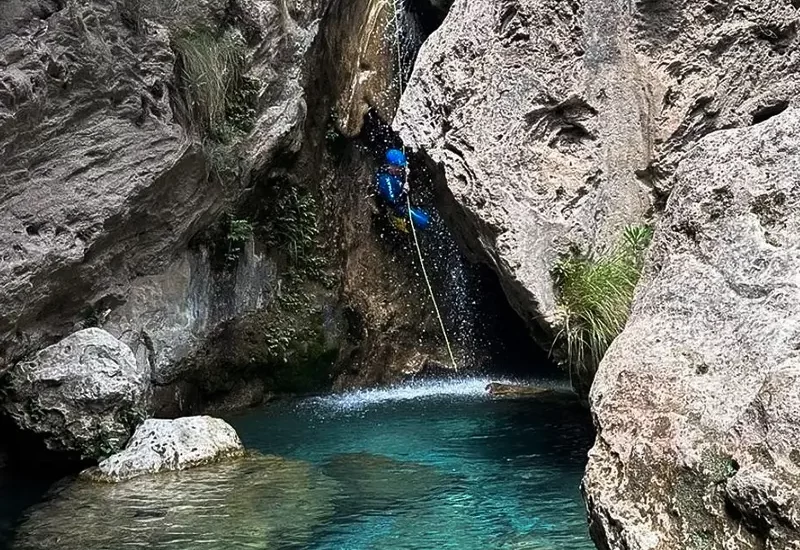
212, 68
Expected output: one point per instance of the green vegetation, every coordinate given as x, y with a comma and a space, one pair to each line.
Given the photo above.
291, 226
237, 235
218, 95
594, 298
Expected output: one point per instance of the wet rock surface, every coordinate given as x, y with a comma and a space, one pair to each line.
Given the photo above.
164, 445
501, 390
83, 396
257, 501
696, 402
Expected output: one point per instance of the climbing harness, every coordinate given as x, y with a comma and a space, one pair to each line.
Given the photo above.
400, 74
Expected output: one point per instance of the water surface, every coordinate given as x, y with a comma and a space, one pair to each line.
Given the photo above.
427, 467
438, 466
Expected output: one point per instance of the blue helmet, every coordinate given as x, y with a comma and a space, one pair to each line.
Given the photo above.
396, 157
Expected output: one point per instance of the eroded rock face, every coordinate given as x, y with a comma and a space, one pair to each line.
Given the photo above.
106, 183
101, 184
696, 403
166, 445
84, 395
536, 127
558, 123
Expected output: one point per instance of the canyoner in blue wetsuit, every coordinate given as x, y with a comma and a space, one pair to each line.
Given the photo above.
390, 183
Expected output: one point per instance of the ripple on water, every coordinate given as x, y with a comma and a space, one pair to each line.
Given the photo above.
426, 466
255, 502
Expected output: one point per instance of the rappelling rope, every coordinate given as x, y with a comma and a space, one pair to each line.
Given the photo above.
400, 74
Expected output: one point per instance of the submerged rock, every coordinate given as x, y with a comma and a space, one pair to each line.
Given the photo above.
83, 395
164, 445
498, 389
697, 403
375, 480
253, 502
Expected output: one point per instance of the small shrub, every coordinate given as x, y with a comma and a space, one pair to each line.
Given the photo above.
594, 298
212, 72
239, 232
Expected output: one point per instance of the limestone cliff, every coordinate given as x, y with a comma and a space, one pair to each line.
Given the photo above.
207, 243
696, 403
553, 124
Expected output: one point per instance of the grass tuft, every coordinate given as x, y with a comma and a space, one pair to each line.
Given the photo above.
595, 292
213, 68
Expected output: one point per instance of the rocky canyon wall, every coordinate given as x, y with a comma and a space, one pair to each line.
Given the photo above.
213, 253
555, 124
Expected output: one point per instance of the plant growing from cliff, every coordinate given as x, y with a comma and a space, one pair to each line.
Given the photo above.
292, 226
238, 233
212, 72
594, 298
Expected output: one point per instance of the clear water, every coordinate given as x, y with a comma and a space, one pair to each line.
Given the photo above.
17, 492
434, 466
438, 467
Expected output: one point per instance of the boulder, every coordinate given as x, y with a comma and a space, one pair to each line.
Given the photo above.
252, 502
166, 445
696, 402
83, 395
554, 124
536, 131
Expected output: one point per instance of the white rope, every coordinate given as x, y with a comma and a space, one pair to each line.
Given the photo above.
400, 75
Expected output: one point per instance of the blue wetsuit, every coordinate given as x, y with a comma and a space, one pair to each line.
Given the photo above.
389, 183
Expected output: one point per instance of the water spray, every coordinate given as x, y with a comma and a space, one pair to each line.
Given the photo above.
400, 74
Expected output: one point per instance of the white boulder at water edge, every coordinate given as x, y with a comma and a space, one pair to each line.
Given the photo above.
84, 395
166, 445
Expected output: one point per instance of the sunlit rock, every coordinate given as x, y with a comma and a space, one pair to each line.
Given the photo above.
164, 445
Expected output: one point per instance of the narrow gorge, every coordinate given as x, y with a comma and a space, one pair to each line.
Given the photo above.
573, 323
